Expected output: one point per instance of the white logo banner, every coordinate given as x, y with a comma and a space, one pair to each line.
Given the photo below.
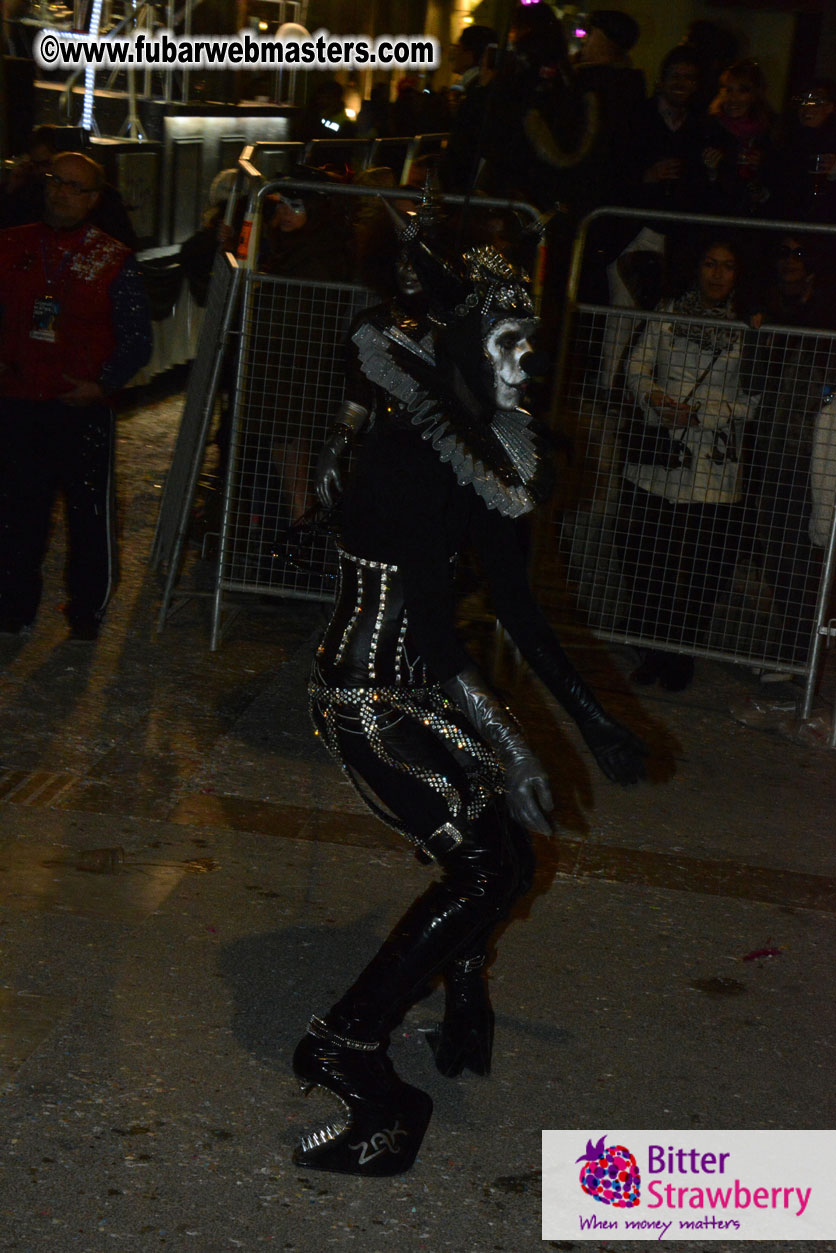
688, 1185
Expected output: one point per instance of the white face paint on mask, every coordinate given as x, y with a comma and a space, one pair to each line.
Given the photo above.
505, 346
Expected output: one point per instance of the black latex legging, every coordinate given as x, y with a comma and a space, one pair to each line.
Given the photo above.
455, 917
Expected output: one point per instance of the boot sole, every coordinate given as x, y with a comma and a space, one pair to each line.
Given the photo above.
376, 1140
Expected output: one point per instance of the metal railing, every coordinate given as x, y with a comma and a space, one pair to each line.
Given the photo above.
290, 384
716, 537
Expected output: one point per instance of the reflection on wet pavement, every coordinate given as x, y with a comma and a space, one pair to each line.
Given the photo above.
52, 878
137, 893
33, 787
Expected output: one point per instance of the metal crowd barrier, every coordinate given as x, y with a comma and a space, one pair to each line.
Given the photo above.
290, 383
175, 514
398, 152
289, 388
747, 583
287, 337
276, 158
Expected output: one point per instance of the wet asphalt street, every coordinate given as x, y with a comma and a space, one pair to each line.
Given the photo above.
184, 877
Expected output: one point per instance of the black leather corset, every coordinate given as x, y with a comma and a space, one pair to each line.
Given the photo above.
367, 642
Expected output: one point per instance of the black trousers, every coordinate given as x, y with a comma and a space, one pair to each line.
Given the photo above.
677, 559
453, 920
793, 563
47, 447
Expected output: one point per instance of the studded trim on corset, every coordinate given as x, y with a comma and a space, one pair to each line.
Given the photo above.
363, 678
366, 640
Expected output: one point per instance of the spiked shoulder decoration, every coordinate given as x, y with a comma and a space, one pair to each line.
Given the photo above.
502, 459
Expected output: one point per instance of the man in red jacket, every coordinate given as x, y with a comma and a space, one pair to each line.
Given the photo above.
74, 329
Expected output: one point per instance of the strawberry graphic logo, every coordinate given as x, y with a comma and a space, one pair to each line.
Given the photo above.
610, 1175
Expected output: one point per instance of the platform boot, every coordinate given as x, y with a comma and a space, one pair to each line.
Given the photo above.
381, 1120
463, 1040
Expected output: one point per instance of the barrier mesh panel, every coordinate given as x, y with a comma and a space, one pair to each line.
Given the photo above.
698, 501
201, 391
290, 386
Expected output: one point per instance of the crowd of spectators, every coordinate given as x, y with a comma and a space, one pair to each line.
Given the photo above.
566, 132
688, 401
583, 129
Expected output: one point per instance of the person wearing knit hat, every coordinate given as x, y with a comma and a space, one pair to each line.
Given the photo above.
603, 67
473, 43
619, 28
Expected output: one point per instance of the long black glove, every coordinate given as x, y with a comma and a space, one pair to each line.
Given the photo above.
620, 754
328, 475
528, 794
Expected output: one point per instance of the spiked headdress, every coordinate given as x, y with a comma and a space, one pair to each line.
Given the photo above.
448, 392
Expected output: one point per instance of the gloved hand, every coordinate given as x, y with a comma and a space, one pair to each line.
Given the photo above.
327, 477
528, 795
620, 754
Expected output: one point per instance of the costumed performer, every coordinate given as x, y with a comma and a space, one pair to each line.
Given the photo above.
449, 459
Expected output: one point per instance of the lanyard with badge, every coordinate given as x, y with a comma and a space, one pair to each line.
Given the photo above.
46, 308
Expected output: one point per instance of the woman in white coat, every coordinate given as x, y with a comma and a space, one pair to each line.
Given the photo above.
680, 509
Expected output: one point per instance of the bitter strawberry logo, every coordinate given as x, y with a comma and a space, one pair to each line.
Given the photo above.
610, 1175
